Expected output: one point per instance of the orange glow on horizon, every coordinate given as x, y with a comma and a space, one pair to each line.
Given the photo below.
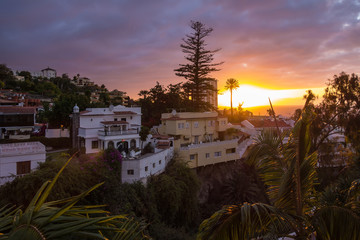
253, 96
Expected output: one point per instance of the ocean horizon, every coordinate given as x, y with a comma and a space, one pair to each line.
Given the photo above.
285, 110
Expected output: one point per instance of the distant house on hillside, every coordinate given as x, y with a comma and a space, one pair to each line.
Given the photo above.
263, 124
16, 122
48, 72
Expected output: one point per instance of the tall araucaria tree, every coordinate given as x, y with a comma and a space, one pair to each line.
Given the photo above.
199, 66
231, 84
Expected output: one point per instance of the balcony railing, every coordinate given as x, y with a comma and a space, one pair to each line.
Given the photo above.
208, 144
116, 133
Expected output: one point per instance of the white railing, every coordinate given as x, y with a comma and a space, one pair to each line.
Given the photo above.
208, 144
116, 133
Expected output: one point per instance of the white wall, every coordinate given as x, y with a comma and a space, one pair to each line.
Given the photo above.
10, 154
138, 165
56, 133
88, 145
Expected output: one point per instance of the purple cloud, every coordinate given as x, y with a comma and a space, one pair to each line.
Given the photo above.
129, 45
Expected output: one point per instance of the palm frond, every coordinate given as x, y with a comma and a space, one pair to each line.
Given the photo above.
335, 222
244, 221
61, 218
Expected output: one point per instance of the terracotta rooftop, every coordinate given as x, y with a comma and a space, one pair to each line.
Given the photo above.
15, 109
184, 118
158, 136
125, 113
83, 112
7, 101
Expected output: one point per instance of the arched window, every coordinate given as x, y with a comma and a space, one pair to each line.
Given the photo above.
111, 144
133, 143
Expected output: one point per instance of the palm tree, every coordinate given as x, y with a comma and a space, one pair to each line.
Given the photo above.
294, 210
231, 84
61, 219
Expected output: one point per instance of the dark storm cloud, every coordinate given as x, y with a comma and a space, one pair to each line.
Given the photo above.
130, 45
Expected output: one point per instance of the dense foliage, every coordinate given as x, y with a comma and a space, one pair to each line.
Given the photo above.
168, 203
295, 208
160, 99
62, 219
337, 113
72, 181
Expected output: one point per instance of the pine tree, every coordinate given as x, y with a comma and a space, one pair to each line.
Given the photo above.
199, 66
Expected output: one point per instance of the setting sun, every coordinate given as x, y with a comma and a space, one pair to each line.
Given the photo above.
253, 96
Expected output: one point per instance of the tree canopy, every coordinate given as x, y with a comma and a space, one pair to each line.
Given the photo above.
199, 66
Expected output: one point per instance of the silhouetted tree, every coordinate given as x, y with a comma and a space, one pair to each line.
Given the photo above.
338, 112
231, 84
199, 65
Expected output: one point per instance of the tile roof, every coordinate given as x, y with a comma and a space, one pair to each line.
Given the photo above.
158, 136
83, 112
124, 112
16, 109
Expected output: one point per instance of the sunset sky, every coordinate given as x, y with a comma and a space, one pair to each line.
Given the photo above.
129, 45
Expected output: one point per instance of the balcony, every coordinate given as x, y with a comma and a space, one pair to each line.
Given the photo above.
117, 133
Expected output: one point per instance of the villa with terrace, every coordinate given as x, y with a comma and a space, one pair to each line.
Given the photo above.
118, 127
201, 138
102, 128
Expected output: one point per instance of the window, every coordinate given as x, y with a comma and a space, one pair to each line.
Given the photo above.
192, 156
217, 154
230, 150
159, 161
115, 119
23, 167
211, 123
153, 165
196, 124
146, 168
123, 119
196, 139
94, 144
207, 155
187, 125
130, 172
211, 137
180, 125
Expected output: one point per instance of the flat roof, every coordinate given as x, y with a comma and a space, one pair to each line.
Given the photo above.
24, 148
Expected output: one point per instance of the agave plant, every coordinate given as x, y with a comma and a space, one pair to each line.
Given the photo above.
294, 210
62, 219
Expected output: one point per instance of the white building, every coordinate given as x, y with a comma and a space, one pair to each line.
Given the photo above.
143, 167
48, 73
101, 128
119, 127
17, 159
